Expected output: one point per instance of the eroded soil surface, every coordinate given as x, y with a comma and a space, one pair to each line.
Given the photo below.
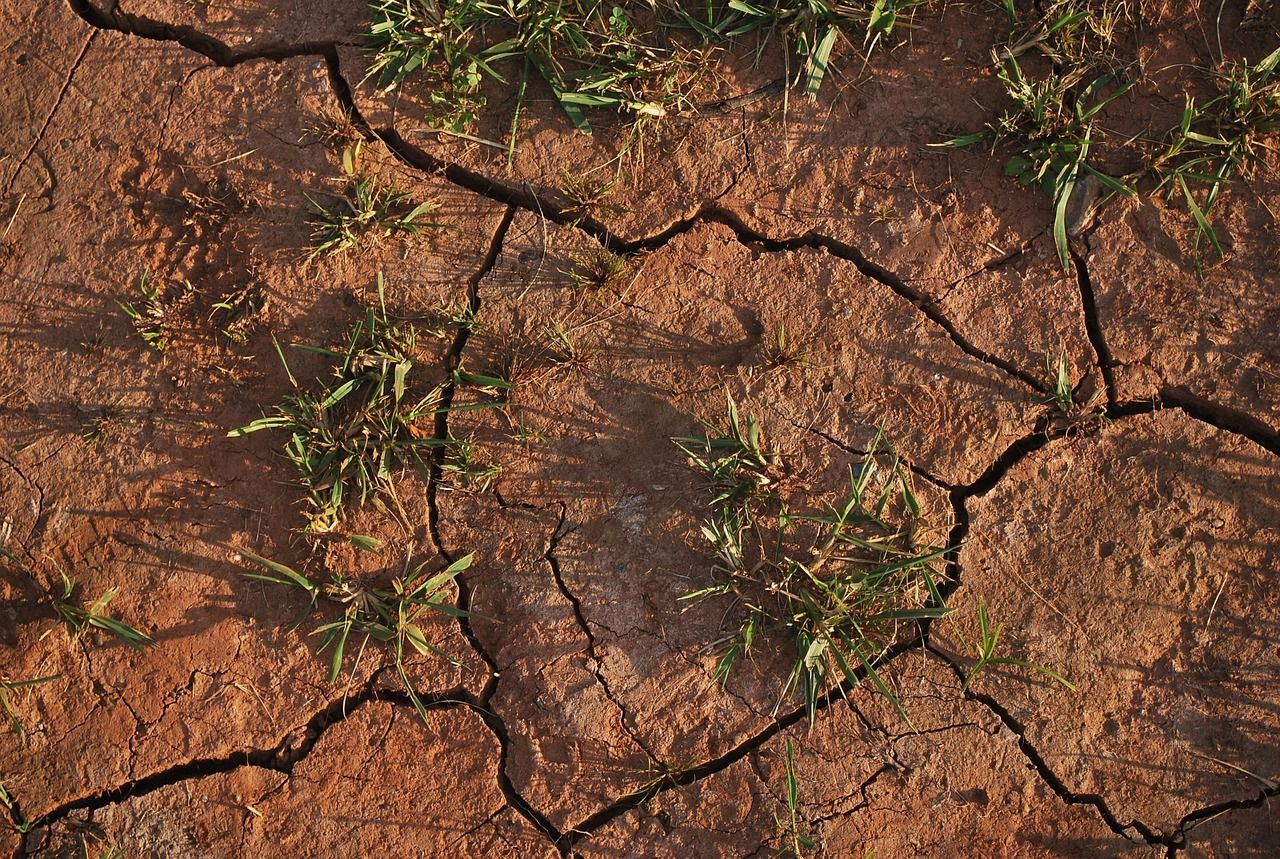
1135, 551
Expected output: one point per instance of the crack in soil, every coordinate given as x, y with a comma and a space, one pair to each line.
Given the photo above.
1223, 417
597, 666
190, 38
481, 706
1210, 812
1105, 361
281, 758
62, 93
710, 212
1046, 773
40, 516
682, 778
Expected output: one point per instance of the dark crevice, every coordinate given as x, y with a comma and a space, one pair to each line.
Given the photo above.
482, 706
597, 667
1203, 815
282, 758
994, 473
452, 360
1049, 777
620, 806
524, 197
190, 38
1222, 417
1093, 328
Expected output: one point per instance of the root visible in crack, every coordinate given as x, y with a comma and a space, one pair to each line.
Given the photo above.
1210, 812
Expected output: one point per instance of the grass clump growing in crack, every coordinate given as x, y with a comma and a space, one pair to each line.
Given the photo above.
637, 59
366, 211
839, 582
1051, 123
347, 437
597, 271
1069, 409
390, 614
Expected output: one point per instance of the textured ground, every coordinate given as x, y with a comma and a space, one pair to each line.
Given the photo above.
1139, 557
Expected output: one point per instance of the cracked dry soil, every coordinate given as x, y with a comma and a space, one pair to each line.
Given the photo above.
1137, 556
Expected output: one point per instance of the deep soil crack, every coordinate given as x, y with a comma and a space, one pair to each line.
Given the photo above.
281, 758
190, 38
1093, 328
482, 706
597, 666
1047, 775
682, 778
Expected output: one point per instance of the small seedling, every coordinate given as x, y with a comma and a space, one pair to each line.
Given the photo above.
447, 319
525, 434
102, 426
336, 128
465, 466
1062, 395
989, 638
151, 319
597, 271
838, 582
796, 842
782, 350
366, 212
80, 618
567, 349
7, 686
585, 193
391, 614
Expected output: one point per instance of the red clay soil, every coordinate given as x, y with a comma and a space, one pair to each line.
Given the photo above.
1135, 552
